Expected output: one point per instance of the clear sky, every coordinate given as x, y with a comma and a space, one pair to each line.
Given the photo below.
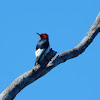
66, 22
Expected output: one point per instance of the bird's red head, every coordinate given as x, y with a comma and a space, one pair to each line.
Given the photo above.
43, 35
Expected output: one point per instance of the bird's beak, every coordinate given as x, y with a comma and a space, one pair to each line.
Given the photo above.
38, 34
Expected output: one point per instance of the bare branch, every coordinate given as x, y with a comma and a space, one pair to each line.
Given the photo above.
94, 30
25, 79
49, 63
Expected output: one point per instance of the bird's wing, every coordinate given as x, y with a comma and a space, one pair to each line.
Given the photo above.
39, 52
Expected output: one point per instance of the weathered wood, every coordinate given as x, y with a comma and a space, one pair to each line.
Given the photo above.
80, 48
41, 69
25, 79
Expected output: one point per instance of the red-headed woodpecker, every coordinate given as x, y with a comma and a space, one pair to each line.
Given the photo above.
42, 48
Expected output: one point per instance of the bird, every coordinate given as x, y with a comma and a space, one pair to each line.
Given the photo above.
42, 47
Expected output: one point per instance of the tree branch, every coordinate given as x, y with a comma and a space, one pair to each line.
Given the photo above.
49, 63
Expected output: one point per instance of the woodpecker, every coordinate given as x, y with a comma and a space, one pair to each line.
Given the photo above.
42, 48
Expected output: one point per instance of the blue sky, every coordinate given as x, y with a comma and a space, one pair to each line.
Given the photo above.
66, 22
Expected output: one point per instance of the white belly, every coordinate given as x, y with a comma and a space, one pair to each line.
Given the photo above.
40, 52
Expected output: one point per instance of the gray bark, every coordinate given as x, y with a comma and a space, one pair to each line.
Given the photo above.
51, 61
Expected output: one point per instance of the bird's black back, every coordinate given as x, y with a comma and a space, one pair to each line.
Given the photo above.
44, 43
